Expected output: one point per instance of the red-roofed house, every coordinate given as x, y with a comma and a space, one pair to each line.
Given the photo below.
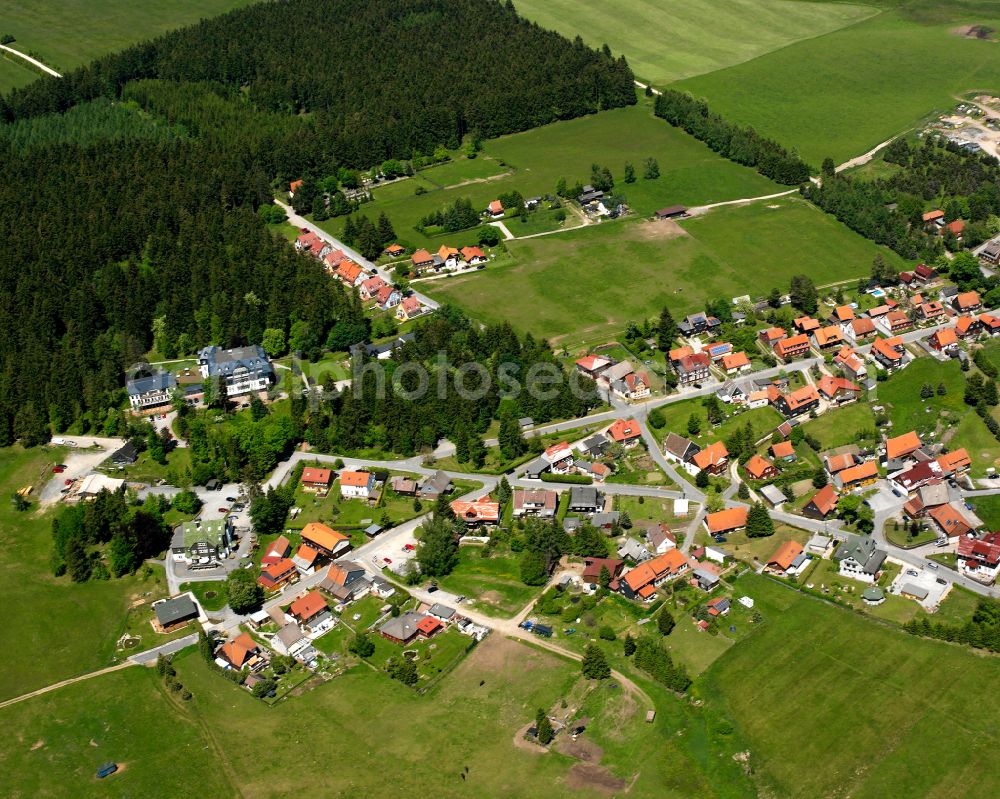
924, 274
713, 459
410, 308
851, 363
325, 540
275, 575
592, 365
495, 209
950, 520
421, 260
839, 389
826, 338
935, 217
858, 476
842, 315
725, 521
966, 327
806, 324
955, 227
862, 328
277, 550
794, 347
395, 250
893, 323
475, 512
625, 431
349, 273
990, 324
943, 339
316, 480
429, 626
370, 288
735, 362
760, 468
676, 354
473, 255
356, 485
980, 557
305, 560
967, 302
954, 462
242, 652
797, 402
559, 457
772, 336
307, 608
633, 386
890, 356
785, 559
822, 503
642, 581
901, 446
592, 570
294, 187
693, 368
783, 450
931, 310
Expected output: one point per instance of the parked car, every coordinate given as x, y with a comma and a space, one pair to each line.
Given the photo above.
942, 581
58, 469
68, 481
408, 548
933, 566
230, 499
223, 510
387, 560
912, 573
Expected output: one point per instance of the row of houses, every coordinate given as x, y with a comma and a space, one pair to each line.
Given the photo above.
447, 258
620, 378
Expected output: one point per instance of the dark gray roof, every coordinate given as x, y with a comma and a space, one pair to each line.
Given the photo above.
436, 484
290, 634
441, 611
227, 362
583, 496
680, 447
162, 381
127, 454
862, 549
402, 627
174, 610
537, 466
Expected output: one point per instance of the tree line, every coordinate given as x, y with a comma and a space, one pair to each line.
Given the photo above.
744, 145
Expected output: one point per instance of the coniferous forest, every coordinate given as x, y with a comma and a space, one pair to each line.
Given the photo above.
129, 188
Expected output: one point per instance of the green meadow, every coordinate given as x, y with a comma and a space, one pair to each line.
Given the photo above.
842, 93
671, 39
532, 163
583, 285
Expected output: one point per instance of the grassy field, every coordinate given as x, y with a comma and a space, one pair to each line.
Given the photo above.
669, 40
533, 162
57, 629
581, 285
948, 415
841, 426
69, 33
816, 680
842, 93
56, 742
495, 581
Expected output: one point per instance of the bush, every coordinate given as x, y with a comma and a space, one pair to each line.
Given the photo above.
187, 502
606, 633
581, 479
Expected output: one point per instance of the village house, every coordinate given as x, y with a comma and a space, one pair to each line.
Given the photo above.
771, 336
934, 219
788, 560
432, 487
388, 297
332, 259
476, 513
473, 256
979, 558
495, 209
535, 502
626, 432
828, 338
924, 274
841, 459
850, 363
838, 389
370, 288
732, 393
634, 551
559, 457
822, 503
421, 260
759, 468
966, 327
403, 628
309, 242
902, 446
954, 462
305, 560
595, 446
593, 365
410, 308
584, 499
616, 372
674, 355
356, 485
797, 402
592, 571
681, 450
712, 459
726, 521
954, 520
692, 368
893, 323
450, 257
316, 480
153, 391
944, 339
929, 311
345, 581
862, 329
806, 324
860, 558
842, 316
735, 363
633, 386
276, 574
241, 369
350, 273
991, 252
242, 652
783, 451
859, 476
325, 540
642, 581
967, 302
172, 614
278, 549
888, 352
956, 227
990, 324
788, 349
311, 611
698, 323
717, 350
202, 543
660, 538
395, 250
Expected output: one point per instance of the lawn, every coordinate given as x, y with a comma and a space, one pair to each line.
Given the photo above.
88, 618
987, 509
947, 416
146, 470
792, 689
335, 511
69, 33
59, 739
494, 582
141, 635
669, 40
677, 414
841, 426
532, 163
743, 548
211, 595
842, 93
580, 286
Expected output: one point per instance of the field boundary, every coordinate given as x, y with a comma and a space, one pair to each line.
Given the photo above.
32, 61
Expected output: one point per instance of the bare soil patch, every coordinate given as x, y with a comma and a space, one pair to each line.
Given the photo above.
490, 597
583, 749
658, 230
981, 32
37, 744
498, 654
523, 743
596, 778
